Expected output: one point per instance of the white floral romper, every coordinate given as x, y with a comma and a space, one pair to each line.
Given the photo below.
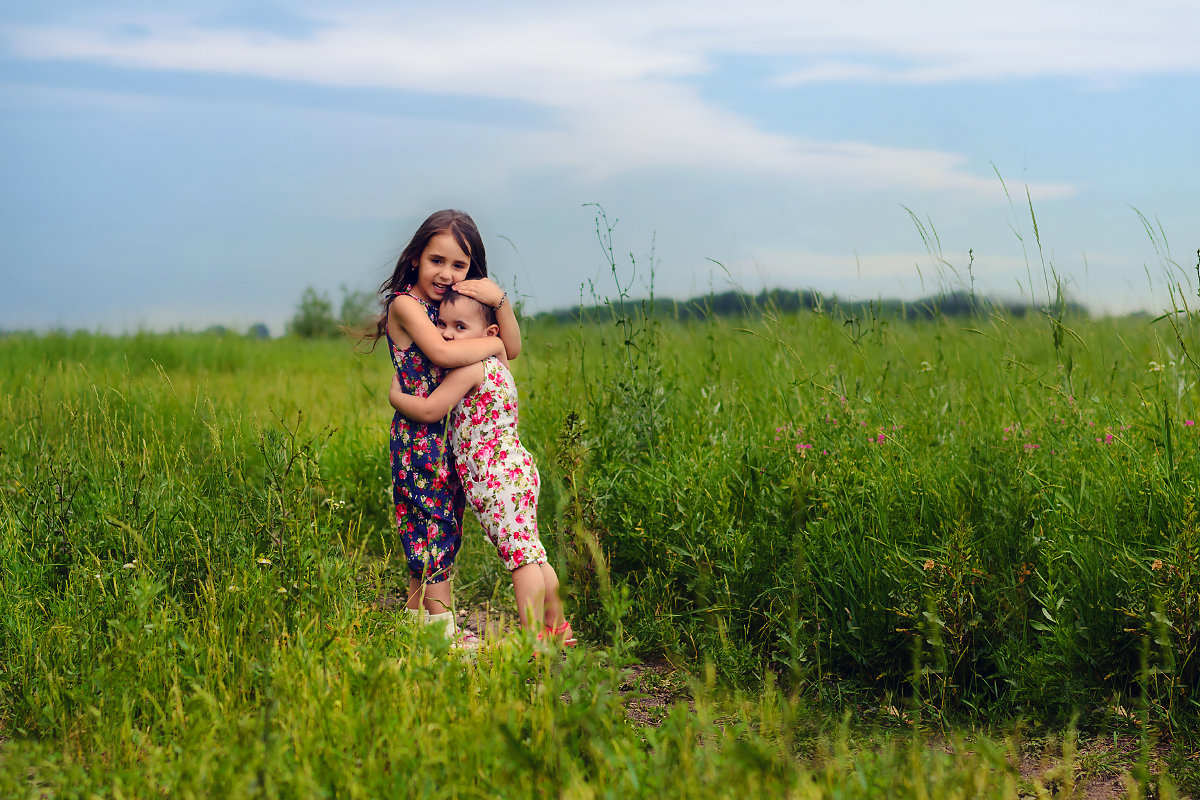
498, 474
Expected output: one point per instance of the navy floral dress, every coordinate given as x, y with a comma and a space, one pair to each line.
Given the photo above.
426, 491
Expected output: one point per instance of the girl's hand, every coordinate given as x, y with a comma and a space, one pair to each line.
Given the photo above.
485, 290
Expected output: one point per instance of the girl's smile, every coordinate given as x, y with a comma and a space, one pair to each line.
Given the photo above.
442, 264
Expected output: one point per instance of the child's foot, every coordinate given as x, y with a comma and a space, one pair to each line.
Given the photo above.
562, 635
465, 639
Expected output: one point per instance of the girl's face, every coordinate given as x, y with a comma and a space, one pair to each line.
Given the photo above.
441, 265
463, 319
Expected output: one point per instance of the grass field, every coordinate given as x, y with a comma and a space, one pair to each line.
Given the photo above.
958, 531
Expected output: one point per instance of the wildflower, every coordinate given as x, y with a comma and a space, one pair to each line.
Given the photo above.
1156, 564
928, 565
130, 565
926, 366
264, 562
804, 447
1155, 366
1187, 423
281, 590
1030, 447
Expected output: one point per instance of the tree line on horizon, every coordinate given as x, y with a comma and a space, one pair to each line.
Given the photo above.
315, 316
776, 301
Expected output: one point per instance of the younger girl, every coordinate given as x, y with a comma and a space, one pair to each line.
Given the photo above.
445, 251
498, 474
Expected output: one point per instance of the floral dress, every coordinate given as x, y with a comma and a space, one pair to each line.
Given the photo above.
498, 474
425, 489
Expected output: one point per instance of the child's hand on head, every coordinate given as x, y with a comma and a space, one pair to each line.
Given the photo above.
485, 290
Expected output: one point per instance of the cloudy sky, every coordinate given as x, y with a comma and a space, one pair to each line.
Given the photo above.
184, 164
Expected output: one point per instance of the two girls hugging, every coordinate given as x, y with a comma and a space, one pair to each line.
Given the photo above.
451, 331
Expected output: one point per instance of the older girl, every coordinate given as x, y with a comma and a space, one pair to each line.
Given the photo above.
446, 251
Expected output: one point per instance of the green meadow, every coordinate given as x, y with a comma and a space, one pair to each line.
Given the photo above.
871, 557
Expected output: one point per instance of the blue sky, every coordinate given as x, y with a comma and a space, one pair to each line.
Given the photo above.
185, 164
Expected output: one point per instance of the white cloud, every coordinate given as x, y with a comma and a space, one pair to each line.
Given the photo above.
613, 78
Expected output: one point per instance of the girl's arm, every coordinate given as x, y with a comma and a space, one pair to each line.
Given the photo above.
406, 315
453, 388
487, 292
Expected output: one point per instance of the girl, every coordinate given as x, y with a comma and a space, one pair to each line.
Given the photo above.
498, 474
445, 252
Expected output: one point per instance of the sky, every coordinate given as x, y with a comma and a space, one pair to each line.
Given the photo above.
174, 166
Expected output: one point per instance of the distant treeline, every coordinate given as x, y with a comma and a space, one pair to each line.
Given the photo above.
733, 304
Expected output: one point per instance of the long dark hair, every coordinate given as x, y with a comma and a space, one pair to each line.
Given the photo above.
459, 225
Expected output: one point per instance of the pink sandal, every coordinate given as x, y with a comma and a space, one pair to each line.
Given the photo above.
562, 635
465, 639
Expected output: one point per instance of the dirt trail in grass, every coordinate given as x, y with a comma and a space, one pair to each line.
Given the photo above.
1102, 766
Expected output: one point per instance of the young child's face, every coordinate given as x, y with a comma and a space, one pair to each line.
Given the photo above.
462, 318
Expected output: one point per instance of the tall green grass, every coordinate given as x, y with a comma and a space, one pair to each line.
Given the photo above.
194, 531
1013, 514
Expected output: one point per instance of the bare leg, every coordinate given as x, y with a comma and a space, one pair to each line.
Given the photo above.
530, 588
436, 596
553, 608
